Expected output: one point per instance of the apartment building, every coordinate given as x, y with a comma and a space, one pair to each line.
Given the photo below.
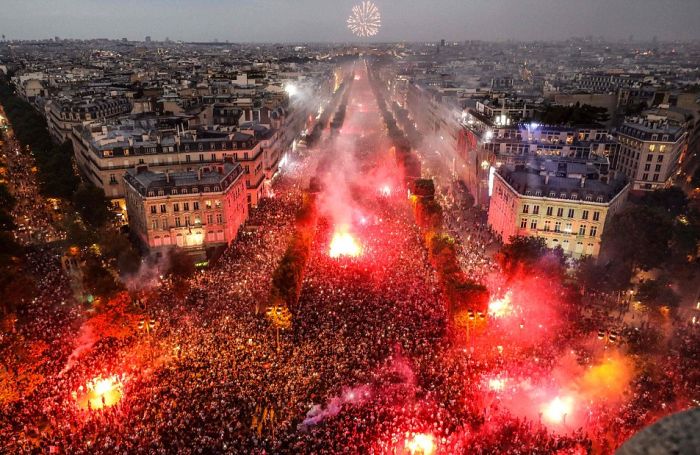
196, 210
567, 202
64, 114
650, 151
105, 154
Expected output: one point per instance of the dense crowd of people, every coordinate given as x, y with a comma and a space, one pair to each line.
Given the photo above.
371, 359
32, 212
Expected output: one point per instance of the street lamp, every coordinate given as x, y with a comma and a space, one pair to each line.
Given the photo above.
281, 318
147, 325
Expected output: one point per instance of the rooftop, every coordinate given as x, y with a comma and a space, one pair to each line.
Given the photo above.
214, 179
562, 178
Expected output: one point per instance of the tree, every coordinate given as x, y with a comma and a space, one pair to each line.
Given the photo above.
7, 200
117, 247
76, 233
603, 277
695, 179
639, 235
669, 200
577, 114
531, 252
97, 279
90, 201
658, 293
180, 264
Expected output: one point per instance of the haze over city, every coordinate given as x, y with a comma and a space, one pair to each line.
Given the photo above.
350, 227
317, 20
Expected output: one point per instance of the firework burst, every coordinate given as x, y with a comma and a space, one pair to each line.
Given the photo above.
365, 19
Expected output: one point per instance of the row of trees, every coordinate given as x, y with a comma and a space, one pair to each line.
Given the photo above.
288, 276
577, 114
54, 162
658, 231
315, 134
464, 297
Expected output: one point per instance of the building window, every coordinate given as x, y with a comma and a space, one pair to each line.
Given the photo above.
163, 209
201, 157
154, 225
647, 167
210, 219
186, 206
187, 159
195, 205
533, 224
217, 203
656, 178
582, 230
584, 215
536, 210
594, 231
207, 204
177, 222
571, 213
650, 157
526, 208
523, 223
165, 223
154, 209
560, 212
596, 216
557, 226
176, 207
657, 168
173, 191
219, 218
187, 220
112, 179
549, 211
568, 228
546, 225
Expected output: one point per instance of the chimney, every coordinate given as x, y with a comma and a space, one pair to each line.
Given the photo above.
142, 168
167, 176
199, 174
546, 178
583, 181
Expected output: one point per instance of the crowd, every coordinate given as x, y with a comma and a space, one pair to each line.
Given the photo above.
32, 213
369, 362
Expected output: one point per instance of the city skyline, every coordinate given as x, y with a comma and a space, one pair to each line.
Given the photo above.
316, 21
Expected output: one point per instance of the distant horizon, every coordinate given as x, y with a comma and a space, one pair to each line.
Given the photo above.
352, 43
317, 21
